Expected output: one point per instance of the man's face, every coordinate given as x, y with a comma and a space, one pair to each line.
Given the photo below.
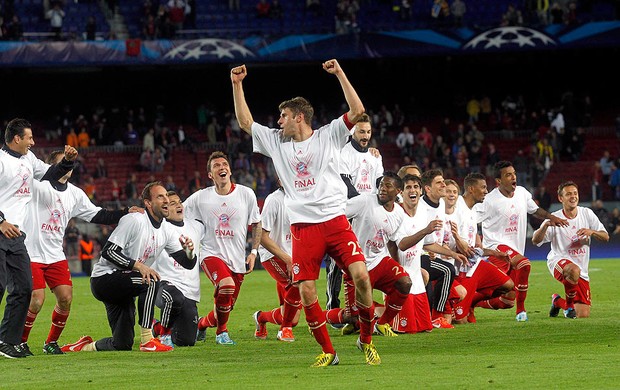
220, 171
508, 179
387, 190
437, 189
23, 144
412, 193
175, 208
452, 194
362, 134
288, 122
159, 202
569, 197
479, 190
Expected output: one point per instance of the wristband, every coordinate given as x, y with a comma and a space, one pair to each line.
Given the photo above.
254, 252
2, 218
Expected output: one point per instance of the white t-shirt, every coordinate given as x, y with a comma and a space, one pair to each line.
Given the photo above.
466, 220
48, 216
504, 220
16, 176
363, 167
566, 245
410, 259
141, 241
432, 213
186, 280
309, 170
226, 218
374, 226
275, 220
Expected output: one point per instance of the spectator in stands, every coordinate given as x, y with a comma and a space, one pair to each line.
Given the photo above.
91, 29
522, 167
15, 30
234, 5
405, 142
614, 181
196, 183
3, 29
475, 157
131, 186
603, 215
149, 28
597, 177
512, 16
115, 192
101, 170
576, 144
437, 149
181, 136
246, 178
72, 234
158, 161
146, 160
556, 13
148, 142
90, 188
346, 16
177, 10
425, 138
615, 220
83, 138
473, 109
276, 11
458, 9
606, 164
542, 197
314, 7
170, 185
545, 153
571, 18
131, 135
262, 9
492, 158
263, 185
165, 27
405, 10
213, 129
72, 138
542, 11
56, 16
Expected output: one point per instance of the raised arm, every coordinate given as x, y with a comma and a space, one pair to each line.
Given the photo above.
242, 111
356, 107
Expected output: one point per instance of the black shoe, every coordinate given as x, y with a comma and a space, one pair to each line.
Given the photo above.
52, 348
554, 311
570, 313
11, 351
26, 349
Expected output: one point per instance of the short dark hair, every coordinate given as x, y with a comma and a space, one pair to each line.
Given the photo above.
51, 158
15, 127
566, 184
146, 192
297, 105
213, 156
499, 166
428, 176
472, 178
410, 177
173, 193
396, 178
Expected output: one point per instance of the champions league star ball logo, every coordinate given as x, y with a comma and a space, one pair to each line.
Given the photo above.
509, 37
208, 48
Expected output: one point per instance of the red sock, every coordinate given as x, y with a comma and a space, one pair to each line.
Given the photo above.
273, 316
561, 303
59, 319
522, 275
28, 325
393, 305
571, 293
159, 329
497, 303
292, 305
334, 316
207, 321
366, 317
223, 306
316, 322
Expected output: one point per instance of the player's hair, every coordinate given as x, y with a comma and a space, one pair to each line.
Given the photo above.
213, 156
53, 156
566, 184
472, 179
364, 118
297, 105
409, 177
428, 176
172, 193
146, 192
499, 166
453, 183
397, 180
402, 172
15, 127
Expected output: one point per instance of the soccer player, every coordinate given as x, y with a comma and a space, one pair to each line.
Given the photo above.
306, 162
226, 209
125, 272
480, 279
179, 289
376, 219
18, 167
275, 256
569, 258
54, 203
503, 215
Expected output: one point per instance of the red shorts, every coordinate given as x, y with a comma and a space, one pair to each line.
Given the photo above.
501, 263
312, 240
55, 274
278, 271
583, 286
386, 274
486, 277
414, 317
216, 270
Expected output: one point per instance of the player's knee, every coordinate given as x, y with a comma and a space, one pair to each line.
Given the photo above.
460, 321
36, 302
583, 311
511, 295
123, 345
461, 291
64, 302
403, 285
572, 273
508, 286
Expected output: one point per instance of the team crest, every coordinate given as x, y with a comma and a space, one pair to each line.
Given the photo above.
364, 174
296, 269
214, 276
403, 322
514, 219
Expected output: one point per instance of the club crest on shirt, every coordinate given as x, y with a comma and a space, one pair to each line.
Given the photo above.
224, 217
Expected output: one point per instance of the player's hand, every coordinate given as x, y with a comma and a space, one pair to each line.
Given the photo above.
71, 153
250, 260
9, 230
135, 209
374, 152
237, 74
434, 226
332, 67
188, 246
556, 221
460, 258
583, 232
148, 274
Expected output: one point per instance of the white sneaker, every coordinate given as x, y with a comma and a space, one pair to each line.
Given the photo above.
522, 317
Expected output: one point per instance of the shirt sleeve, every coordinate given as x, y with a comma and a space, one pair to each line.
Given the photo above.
254, 214
531, 205
84, 208
268, 215
355, 206
190, 206
264, 139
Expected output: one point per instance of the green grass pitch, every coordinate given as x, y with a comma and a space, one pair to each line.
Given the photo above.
496, 352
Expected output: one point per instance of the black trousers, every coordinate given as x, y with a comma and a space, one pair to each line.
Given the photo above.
16, 279
442, 273
118, 291
178, 313
334, 283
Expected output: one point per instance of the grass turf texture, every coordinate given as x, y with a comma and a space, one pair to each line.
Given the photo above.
497, 352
